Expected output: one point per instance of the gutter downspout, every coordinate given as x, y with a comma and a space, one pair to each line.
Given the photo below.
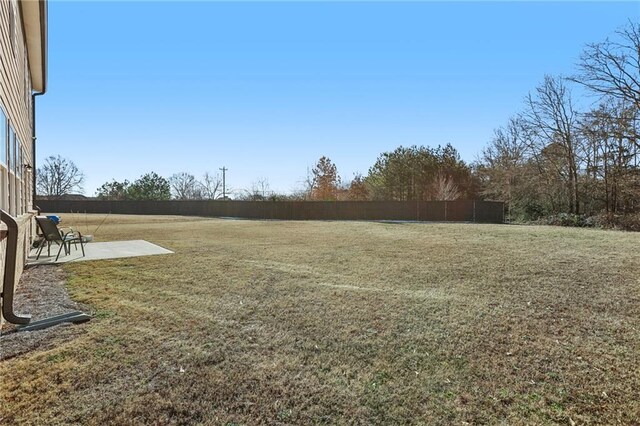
8, 285
33, 147
44, 6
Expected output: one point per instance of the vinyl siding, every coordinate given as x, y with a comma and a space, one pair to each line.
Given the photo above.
15, 82
15, 102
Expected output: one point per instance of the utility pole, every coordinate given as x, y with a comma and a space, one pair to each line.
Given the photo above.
224, 183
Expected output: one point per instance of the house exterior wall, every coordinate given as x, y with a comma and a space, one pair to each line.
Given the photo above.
16, 149
15, 116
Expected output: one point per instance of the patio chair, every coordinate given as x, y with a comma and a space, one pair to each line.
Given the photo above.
52, 234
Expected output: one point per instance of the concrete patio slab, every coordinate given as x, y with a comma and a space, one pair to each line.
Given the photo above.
99, 251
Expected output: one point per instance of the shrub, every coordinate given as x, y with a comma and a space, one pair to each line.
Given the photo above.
533, 211
570, 219
625, 222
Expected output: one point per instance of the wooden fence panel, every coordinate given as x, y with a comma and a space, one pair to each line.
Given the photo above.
441, 211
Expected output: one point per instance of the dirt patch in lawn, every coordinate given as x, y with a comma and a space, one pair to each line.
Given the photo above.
42, 293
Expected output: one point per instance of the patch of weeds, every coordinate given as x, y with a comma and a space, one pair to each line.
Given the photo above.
55, 358
284, 414
108, 347
101, 314
505, 397
450, 394
104, 352
113, 340
379, 380
458, 363
557, 407
534, 397
553, 376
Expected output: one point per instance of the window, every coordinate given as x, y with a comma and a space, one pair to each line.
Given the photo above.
19, 161
17, 174
11, 176
26, 186
3, 138
11, 162
21, 183
4, 199
4, 175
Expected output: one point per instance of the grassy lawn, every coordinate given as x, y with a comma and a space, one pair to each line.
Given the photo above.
343, 322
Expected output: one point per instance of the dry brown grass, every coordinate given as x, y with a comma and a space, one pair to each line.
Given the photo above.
343, 322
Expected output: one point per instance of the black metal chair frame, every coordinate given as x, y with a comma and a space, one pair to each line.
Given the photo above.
52, 234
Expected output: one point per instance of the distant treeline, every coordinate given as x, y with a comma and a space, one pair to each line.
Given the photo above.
553, 160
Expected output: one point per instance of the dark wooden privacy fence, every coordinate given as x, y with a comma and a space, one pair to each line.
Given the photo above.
446, 211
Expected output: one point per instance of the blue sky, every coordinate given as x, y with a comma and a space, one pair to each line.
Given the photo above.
265, 88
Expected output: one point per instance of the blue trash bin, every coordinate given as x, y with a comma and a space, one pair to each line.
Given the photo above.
55, 219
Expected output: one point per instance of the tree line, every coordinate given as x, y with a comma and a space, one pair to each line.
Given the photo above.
151, 186
554, 156
408, 173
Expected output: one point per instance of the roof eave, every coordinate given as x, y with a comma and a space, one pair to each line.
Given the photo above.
34, 16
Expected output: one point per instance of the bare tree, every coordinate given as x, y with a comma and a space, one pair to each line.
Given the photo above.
261, 186
58, 176
259, 190
184, 186
210, 186
444, 188
612, 68
503, 161
551, 122
611, 157
306, 186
